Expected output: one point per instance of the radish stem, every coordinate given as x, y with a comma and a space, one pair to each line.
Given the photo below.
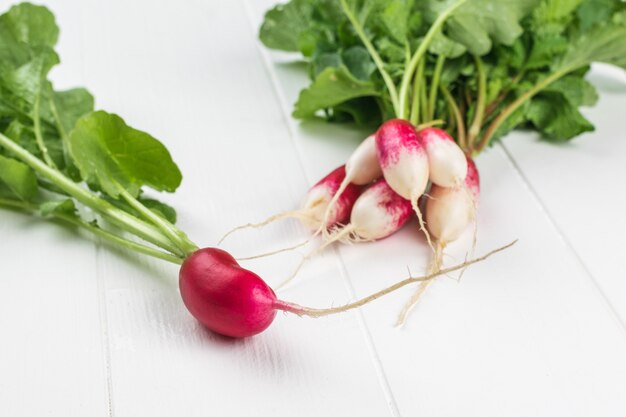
419, 54
126, 221
393, 93
112, 238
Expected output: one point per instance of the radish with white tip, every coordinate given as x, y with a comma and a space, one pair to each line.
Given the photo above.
446, 160
449, 212
362, 168
404, 162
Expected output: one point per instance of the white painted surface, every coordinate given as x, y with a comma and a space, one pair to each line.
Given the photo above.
88, 331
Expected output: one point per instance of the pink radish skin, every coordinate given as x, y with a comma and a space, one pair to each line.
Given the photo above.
446, 161
379, 212
402, 158
362, 168
449, 211
319, 196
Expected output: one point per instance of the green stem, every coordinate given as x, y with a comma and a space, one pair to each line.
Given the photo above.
38, 134
110, 237
393, 93
417, 85
424, 99
434, 87
121, 218
458, 117
481, 102
167, 228
417, 56
510, 109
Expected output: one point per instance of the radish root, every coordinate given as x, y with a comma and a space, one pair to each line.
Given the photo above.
294, 214
338, 236
435, 266
277, 251
420, 218
320, 312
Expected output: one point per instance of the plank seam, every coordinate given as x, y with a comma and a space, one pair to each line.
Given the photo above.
104, 326
568, 244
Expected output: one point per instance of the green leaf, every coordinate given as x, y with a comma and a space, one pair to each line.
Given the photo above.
71, 105
363, 111
604, 43
23, 29
332, 87
478, 23
19, 178
593, 12
283, 25
556, 117
358, 62
577, 90
395, 19
108, 152
442, 45
50, 208
160, 208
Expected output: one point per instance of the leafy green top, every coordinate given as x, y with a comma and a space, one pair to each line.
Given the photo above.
484, 66
52, 141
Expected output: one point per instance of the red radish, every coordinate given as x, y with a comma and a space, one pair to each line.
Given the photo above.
223, 296
450, 211
316, 203
446, 160
361, 169
235, 302
404, 162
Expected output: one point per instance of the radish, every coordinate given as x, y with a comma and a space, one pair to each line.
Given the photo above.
314, 214
446, 161
449, 211
361, 169
404, 162
378, 213
235, 302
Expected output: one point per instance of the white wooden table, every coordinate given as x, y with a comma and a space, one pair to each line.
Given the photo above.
90, 331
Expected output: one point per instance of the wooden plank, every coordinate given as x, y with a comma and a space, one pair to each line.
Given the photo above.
51, 357
579, 185
524, 333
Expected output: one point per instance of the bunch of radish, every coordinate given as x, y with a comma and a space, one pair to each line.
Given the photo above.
378, 189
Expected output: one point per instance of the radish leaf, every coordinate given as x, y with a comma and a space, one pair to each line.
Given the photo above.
18, 178
332, 87
109, 153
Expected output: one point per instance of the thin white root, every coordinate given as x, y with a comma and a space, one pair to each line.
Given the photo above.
435, 267
341, 234
296, 214
420, 218
320, 312
276, 252
475, 232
